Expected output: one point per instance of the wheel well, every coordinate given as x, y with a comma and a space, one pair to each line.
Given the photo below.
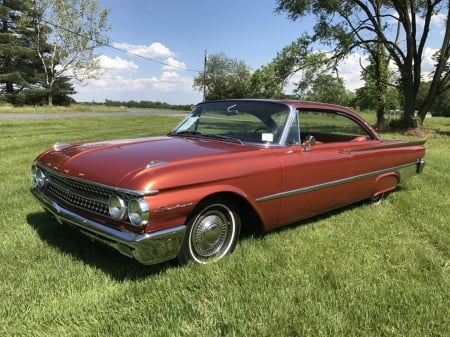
250, 220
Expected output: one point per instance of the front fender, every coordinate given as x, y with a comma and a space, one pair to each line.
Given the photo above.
171, 208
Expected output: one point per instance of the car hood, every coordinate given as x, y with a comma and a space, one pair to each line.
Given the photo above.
112, 162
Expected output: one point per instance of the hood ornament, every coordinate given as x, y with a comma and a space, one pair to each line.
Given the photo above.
59, 146
155, 163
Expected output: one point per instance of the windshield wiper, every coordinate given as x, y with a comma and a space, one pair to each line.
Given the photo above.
186, 133
206, 135
223, 137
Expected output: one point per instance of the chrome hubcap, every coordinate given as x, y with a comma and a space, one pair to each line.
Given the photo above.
211, 232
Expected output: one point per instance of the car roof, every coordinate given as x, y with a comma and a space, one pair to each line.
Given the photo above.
294, 103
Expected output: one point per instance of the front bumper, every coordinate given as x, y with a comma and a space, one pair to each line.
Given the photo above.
146, 248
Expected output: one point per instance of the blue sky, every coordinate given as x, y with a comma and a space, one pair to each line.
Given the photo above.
177, 32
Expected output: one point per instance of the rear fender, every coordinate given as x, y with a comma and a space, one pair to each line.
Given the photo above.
385, 183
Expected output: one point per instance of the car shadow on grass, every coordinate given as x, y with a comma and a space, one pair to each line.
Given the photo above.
311, 221
70, 241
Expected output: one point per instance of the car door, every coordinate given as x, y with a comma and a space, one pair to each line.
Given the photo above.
323, 172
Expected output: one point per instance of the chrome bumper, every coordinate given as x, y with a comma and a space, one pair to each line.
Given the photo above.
420, 165
148, 249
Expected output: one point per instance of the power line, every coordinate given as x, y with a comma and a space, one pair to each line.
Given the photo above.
109, 45
150, 59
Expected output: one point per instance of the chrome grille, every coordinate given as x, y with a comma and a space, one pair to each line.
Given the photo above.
79, 193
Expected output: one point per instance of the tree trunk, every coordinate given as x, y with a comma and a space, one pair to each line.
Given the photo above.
50, 98
422, 113
9, 86
381, 91
381, 121
381, 72
409, 107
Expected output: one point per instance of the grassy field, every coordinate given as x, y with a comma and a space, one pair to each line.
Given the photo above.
366, 270
7, 108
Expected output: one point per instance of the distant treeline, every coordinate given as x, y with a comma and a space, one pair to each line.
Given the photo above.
148, 105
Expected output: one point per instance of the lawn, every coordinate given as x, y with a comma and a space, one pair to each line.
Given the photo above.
366, 270
10, 109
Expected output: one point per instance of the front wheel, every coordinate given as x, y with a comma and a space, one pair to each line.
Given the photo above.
212, 232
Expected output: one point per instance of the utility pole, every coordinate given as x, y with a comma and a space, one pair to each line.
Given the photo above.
204, 75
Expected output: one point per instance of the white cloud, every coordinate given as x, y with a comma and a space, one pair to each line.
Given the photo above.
115, 84
172, 64
123, 79
156, 49
116, 64
350, 71
171, 81
107, 67
427, 61
439, 19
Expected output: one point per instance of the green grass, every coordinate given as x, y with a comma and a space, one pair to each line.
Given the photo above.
366, 270
8, 108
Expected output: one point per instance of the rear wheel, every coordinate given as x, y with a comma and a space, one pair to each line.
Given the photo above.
212, 232
376, 199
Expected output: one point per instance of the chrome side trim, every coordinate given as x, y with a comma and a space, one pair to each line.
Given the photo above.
389, 145
146, 248
340, 181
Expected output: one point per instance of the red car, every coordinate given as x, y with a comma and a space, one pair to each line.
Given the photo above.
228, 165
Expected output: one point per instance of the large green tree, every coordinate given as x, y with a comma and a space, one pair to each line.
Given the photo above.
19, 63
318, 78
441, 106
347, 25
329, 89
223, 77
77, 28
378, 94
266, 83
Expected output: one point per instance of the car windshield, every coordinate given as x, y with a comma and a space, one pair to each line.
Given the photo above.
256, 122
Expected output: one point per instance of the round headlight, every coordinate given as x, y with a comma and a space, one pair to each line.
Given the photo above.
138, 212
117, 207
38, 176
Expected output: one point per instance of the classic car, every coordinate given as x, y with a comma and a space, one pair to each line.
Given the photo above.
228, 165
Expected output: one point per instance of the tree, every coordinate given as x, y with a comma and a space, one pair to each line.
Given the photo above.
265, 83
77, 29
351, 24
441, 106
223, 78
328, 89
366, 98
295, 58
18, 62
377, 94
319, 80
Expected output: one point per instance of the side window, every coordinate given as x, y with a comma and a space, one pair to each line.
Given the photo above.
329, 126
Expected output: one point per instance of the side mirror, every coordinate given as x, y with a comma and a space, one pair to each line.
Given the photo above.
309, 142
